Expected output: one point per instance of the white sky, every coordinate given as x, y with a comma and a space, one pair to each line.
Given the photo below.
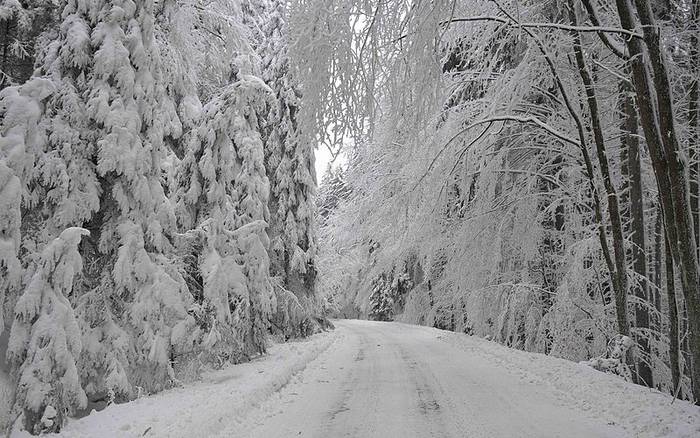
323, 156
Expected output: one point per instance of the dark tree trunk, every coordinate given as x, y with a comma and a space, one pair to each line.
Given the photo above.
633, 166
620, 268
657, 119
674, 347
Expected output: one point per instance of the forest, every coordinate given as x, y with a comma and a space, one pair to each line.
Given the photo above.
156, 197
524, 171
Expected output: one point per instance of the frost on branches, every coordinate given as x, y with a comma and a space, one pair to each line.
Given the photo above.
481, 176
222, 205
614, 361
85, 137
289, 162
110, 135
45, 339
10, 268
389, 294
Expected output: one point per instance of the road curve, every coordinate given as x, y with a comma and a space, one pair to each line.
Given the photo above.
393, 380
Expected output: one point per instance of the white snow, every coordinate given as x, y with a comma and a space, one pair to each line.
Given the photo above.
205, 408
369, 379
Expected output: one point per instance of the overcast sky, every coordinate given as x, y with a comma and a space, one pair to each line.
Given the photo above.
323, 156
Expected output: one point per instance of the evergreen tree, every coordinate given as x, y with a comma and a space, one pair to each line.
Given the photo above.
10, 268
289, 157
21, 27
381, 300
45, 340
86, 138
332, 191
222, 199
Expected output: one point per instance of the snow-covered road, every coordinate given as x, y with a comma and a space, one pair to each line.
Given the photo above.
368, 379
391, 380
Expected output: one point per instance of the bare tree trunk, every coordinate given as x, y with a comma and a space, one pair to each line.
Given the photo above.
674, 347
620, 268
589, 172
5, 39
657, 119
639, 260
658, 241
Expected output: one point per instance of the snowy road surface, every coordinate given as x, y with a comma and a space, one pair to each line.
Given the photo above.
386, 380
393, 380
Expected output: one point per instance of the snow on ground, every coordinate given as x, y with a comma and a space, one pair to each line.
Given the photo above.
386, 380
204, 408
641, 411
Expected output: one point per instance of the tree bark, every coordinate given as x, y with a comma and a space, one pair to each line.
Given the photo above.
633, 167
674, 347
620, 269
589, 169
657, 120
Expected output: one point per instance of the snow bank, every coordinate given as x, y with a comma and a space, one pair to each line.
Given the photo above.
203, 409
644, 412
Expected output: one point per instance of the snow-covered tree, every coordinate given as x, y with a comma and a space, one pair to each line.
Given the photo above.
10, 267
86, 138
381, 300
45, 341
21, 27
289, 155
333, 190
389, 294
500, 160
222, 198
110, 135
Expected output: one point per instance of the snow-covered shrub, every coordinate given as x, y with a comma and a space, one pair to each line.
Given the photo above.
614, 362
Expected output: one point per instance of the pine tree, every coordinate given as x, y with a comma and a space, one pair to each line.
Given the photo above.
10, 268
128, 91
289, 158
222, 200
21, 26
86, 138
381, 300
45, 339
332, 191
